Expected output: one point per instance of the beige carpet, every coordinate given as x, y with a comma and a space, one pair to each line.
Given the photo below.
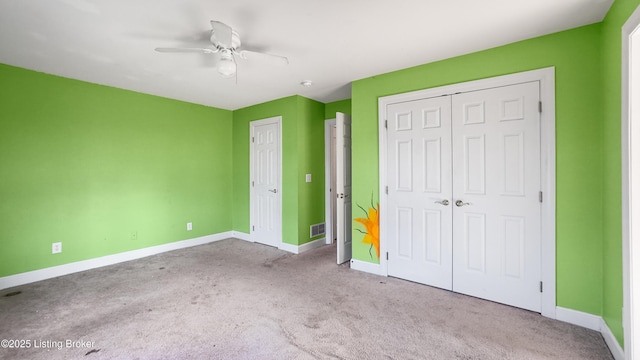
236, 300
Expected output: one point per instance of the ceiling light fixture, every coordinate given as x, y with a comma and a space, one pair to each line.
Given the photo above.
306, 83
226, 64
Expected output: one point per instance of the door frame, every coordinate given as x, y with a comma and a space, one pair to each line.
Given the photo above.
252, 125
328, 195
630, 172
546, 76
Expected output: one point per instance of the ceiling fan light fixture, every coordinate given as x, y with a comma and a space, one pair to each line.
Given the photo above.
226, 65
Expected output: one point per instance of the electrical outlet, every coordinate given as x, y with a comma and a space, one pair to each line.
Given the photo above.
56, 248
189, 226
308, 178
134, 235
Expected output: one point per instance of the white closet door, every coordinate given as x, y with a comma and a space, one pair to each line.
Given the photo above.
266, 198
419, 214
496, 184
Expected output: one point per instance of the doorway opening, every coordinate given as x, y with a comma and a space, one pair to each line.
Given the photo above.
338, 185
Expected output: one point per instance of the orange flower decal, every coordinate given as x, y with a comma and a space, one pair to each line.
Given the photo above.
372, 228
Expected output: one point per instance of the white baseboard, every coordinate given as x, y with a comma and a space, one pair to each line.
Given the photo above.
593, 322
288, 247
612, 342
312, 245
60, 270
241, 236
579, 318
302, 248
367, 267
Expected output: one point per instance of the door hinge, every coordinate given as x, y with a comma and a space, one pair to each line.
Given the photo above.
386, 190
253, 139
253, 183
540, 196
539, 106
387, 255
386, 124
540, 286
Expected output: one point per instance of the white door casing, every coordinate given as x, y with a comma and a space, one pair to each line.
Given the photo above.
266, 181
630, 134
496, 186
547, 167
419, 206
343, 185
330, 179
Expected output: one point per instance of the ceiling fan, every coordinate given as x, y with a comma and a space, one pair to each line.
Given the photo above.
226, 41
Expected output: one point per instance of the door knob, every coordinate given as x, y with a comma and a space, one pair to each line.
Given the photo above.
274, 191
460, 203
444, 202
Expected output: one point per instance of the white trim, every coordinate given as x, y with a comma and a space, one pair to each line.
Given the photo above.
241, 236
611, 341
367, 267
288, 247
579, 318
252, 124
546, 78
593, 322
70, 268
302, 248
630, 253
328, 216
312, 245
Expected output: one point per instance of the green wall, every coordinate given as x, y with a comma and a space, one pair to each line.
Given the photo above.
93, 167
302, 153
612, 246
287, 108
343, 106
310, 161
106, 170
579, 159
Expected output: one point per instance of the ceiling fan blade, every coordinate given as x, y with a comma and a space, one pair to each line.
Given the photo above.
270, 58
222, 33
187, 50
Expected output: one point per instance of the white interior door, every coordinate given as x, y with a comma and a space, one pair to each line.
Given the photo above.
266, 197
496, 188
419, 201
343, 185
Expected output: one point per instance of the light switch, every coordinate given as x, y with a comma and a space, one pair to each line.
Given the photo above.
308, 177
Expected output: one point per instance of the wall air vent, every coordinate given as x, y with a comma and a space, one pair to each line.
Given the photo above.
316, 230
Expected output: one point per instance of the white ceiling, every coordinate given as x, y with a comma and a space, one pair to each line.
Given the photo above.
331, 42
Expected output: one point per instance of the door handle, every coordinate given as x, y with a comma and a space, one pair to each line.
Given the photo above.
274, 191
460, 203
444, 202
